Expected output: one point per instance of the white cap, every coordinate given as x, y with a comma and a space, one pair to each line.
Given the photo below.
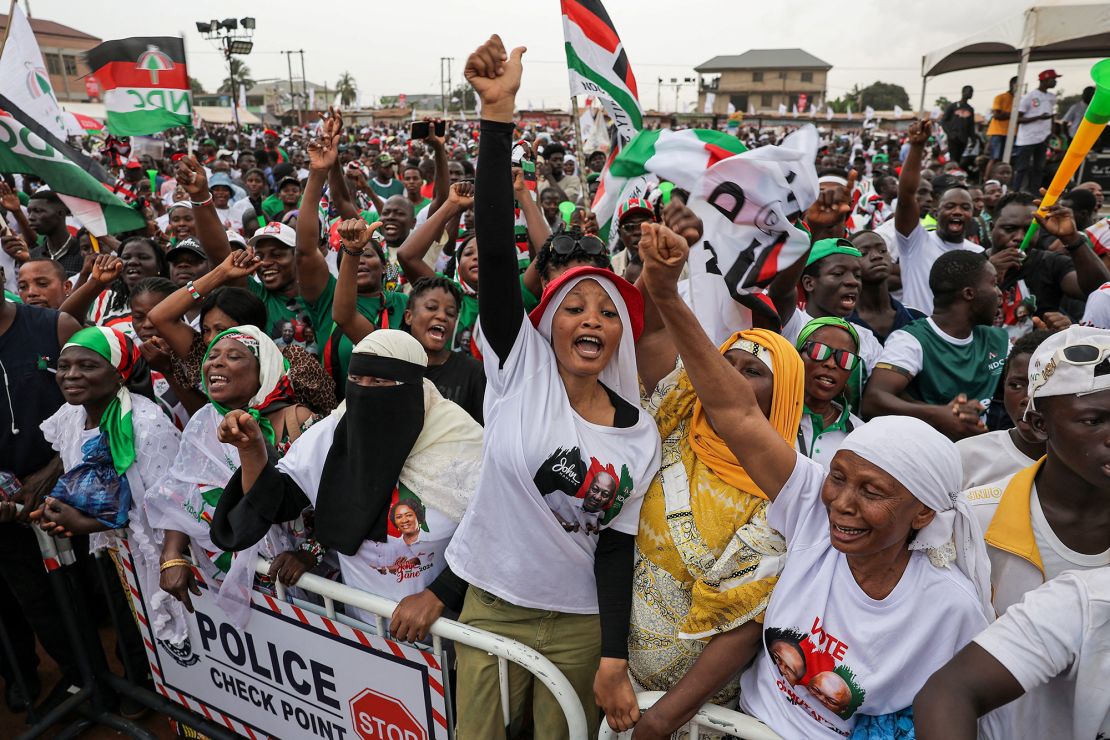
235, 237
1087, 370
275, 230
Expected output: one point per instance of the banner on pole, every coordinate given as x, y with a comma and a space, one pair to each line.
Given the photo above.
294, 673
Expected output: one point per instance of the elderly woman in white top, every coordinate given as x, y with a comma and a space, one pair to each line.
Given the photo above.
886, 577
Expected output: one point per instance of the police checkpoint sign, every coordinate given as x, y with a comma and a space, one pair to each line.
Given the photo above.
293, 673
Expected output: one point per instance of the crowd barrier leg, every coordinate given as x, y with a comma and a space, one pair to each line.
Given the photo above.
16, 671
94, 699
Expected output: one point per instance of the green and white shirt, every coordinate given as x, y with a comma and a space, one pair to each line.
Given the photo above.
943, 366
819, 442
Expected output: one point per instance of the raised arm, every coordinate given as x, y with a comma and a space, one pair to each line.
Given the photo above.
106, 268
908, 216
312, 266
411, 253
495, 76
168, 315
1090, 272
538, 230
355, 234
210, 230
9, 201
442, 182
724, 393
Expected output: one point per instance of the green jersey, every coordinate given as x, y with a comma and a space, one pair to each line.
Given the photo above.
949, 369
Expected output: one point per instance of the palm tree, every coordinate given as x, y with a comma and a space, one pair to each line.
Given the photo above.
347, 89
241, 74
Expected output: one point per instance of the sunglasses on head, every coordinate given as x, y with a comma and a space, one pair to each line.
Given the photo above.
564, 244
1085, 354
819, 352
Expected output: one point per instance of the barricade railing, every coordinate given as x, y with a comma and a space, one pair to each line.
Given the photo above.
710, 718
504, 649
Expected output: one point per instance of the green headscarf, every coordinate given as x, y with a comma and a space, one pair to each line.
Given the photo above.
273, 376
115, 423
851, 394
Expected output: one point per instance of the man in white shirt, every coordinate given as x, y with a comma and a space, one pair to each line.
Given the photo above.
1035, 114
1052, 650
917, 249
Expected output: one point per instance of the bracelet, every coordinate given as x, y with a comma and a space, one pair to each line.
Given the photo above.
173, 564
204, 202
351, 251
313, 548
1078, 243
193, 290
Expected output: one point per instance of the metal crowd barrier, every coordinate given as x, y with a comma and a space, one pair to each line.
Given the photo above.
710, 718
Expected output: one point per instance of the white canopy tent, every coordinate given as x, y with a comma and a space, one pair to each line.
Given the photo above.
1043, 32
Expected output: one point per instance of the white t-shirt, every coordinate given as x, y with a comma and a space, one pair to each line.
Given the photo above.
1035, 103
1056, 557
830, 651
1097, 313
410, 558
916, 254
989, 457
1056, 643
869, 347
511, 542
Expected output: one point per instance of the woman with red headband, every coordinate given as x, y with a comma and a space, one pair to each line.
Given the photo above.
568, 455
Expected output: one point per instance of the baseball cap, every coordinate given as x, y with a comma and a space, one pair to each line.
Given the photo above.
635, 205
188, 245
385, 159
1075, 361
237, 239
288, 180
275, 230
1048, 74
133, 164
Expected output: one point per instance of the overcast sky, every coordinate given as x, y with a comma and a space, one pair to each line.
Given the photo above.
395, 47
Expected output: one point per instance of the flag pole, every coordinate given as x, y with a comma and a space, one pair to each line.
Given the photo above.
580, 153
8, 28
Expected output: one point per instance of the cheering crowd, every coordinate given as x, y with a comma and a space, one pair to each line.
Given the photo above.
412, 363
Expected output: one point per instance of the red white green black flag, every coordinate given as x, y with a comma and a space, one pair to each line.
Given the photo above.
145, 82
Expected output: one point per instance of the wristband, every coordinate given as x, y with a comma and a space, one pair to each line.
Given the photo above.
206, 201
313, 548
193, 290
173, 564
351, 251
1078, 243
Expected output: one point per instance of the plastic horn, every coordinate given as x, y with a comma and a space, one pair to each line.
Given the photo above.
1090, 128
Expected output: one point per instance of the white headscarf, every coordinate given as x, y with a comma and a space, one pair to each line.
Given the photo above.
928, 465
620, 374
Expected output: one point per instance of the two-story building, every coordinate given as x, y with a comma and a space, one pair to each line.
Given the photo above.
762, 80
63, 51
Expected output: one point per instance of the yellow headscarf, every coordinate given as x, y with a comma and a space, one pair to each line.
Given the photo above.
786, 409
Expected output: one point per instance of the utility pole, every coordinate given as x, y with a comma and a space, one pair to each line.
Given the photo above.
659, 95
445, 81
304, 82
292, 95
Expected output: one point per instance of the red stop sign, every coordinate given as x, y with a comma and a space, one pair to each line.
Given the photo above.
378, 716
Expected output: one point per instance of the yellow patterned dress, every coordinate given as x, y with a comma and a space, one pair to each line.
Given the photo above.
706, 560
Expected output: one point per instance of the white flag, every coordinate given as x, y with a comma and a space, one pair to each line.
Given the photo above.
935, 114
731, 109
795, 111
587, 124
898, 112
782, 109
751, 109
24, 79
710, 99
868, 114
828, 113
243, 97
849, 112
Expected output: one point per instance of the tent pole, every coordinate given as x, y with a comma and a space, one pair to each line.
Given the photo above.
924, 81
1011, 130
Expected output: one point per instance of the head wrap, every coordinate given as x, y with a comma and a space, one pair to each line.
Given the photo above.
274, 389
620, 374
786, 408
928, 465
115, 423
362, 469
851, 392
827, 247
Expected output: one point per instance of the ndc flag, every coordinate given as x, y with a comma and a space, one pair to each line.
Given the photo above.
146, 85
28, 148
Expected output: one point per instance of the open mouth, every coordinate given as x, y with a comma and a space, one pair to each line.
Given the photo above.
217, 381
841, 533
390, 229
589, 346
956, 226
269, 274
437, 331
848, 301
133, 271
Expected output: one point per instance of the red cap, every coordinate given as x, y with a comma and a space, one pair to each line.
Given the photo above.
1048, 74
133, 164
270, 132
633, 301
177, 157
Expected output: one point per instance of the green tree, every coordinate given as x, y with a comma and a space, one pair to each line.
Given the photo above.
196, 86
462, 98
241, 73
942, 103
883, 96
347, 89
